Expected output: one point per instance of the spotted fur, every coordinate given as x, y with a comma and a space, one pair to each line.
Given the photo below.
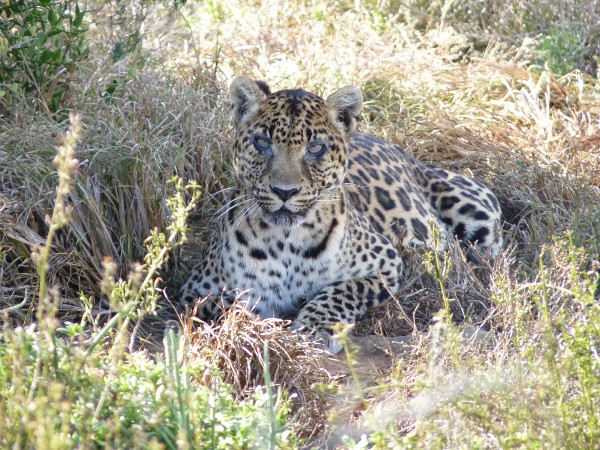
311, 229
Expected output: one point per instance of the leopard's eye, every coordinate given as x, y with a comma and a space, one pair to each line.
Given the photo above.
262, 143
316, 148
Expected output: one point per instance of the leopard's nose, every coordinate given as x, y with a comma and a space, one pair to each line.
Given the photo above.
284, 194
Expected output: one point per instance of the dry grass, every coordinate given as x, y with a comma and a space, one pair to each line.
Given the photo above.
235, 347
149, 131
531, 134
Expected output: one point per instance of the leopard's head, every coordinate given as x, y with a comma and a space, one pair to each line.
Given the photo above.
291, 146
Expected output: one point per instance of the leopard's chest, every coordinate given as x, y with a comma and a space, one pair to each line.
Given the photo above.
282, 269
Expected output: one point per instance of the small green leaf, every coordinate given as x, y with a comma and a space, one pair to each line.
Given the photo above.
46, 55
41, 38
29, 18
55, 31
78, 19
52, 18
58, 55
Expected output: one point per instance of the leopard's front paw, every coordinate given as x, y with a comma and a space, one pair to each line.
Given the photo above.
323, 337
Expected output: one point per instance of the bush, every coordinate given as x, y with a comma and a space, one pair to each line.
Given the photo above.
56, 395
41, 45
563, 49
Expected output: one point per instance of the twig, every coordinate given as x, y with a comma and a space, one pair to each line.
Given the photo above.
16, 307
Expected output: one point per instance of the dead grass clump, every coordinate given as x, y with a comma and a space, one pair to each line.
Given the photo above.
471, 115
235, 346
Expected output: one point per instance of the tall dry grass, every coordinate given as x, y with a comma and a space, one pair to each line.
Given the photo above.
149, 131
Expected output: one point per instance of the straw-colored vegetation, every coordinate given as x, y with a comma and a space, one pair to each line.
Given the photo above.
111, 112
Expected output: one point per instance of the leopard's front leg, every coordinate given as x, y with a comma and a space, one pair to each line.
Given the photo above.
342, 302
210, 307
205, 291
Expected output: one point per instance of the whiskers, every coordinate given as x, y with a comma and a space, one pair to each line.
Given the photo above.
347, 185
248, 212
226, 190
332, 194
232, 204
246, 206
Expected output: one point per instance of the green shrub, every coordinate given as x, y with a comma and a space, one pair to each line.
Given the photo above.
54, 395
41, 44
562, 49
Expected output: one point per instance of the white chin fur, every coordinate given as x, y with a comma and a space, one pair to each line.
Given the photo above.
284, 219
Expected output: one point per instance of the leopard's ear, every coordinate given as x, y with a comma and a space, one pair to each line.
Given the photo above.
245, 95
345, 106
263, 86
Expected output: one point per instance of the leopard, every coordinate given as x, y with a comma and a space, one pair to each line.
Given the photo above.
318, 213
